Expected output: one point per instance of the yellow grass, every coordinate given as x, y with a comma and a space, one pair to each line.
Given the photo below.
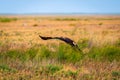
24, 33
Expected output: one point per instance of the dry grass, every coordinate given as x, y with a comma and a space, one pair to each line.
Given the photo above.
24, 56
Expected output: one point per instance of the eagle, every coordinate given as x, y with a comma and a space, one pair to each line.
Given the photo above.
65, 39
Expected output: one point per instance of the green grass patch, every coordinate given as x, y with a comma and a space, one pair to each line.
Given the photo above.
65, 53
116, 73
108, 52
17, 54
67, 19
6, 68
83, 43
71, 73
7, 19
45, 53
53, 68
118, 43
61, 55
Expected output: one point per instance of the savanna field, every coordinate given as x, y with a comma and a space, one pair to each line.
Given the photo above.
24, 56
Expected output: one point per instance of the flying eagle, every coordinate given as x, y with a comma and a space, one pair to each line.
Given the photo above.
65, 39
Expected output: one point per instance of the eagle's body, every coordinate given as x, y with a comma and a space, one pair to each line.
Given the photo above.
65, 39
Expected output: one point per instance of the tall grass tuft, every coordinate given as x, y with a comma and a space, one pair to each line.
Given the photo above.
66, 53
61, 55
53, 68
83, 43
45, 52
109, 53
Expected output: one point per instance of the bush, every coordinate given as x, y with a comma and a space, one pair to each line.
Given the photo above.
35, 25
100, 24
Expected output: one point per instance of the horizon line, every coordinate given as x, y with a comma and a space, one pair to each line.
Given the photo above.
72, 13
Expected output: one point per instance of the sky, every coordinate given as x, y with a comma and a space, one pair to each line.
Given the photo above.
59, 6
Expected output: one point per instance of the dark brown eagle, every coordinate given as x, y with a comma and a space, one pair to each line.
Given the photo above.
65, 39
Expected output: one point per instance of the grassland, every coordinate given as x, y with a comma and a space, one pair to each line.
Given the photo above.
24, 56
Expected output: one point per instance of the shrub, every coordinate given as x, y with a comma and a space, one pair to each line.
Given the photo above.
100, 24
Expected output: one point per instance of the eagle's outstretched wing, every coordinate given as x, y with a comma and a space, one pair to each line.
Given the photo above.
65, 39
45, 38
